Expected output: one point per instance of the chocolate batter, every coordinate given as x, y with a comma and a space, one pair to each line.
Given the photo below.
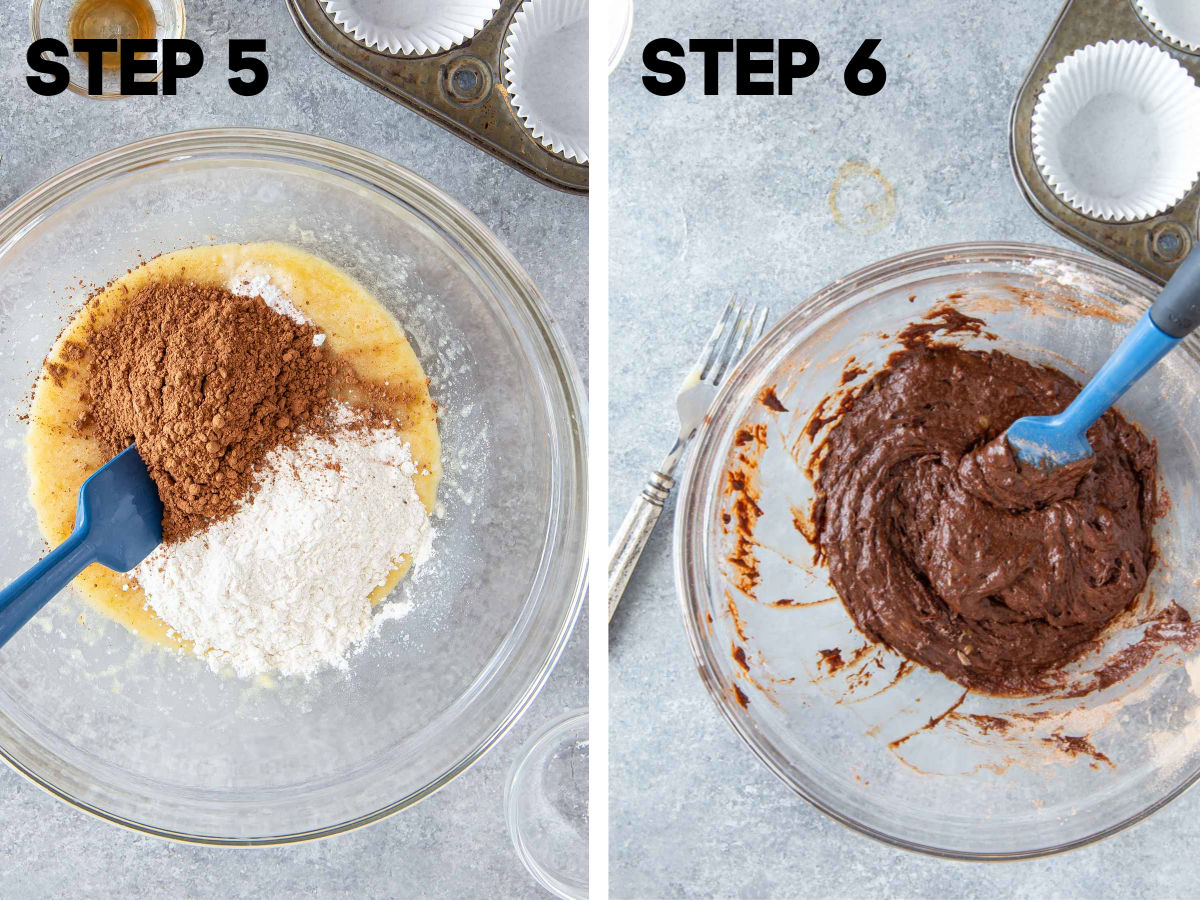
944, 548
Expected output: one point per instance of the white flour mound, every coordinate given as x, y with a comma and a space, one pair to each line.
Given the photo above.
282, 584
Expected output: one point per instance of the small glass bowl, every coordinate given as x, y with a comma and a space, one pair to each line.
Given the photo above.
50, 18
546, 805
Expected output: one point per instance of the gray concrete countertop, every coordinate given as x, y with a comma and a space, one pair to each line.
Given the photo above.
454, 844
717, 194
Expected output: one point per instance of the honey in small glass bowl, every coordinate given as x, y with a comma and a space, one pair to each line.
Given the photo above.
69, 20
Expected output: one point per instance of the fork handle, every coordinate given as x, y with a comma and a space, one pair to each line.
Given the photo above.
631, 538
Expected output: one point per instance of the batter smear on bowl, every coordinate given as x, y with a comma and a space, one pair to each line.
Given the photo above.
939, 549
288, 426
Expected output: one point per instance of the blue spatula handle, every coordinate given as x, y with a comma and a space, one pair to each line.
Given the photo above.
1174, 315
1144, 346
21, 600
1177, 309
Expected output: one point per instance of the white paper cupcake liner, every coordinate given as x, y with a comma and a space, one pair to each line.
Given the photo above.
1116, 131
546, 72
410, 27
1176, 21
618, 26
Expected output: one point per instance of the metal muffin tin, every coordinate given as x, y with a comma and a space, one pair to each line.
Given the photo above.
461, 89
1153, 246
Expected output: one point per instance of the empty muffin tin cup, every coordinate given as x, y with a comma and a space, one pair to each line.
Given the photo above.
546, 72
1175, 21
1116, 131
410, 27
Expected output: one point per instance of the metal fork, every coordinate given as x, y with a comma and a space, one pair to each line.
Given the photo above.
739, 327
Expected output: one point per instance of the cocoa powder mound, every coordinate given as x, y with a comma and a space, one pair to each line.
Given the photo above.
207, 383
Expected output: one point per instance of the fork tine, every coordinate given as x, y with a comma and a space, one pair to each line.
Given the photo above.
708, 354
742, 329
762, 324
728, 347
734, 351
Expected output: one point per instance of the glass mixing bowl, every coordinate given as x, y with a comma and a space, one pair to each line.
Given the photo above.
895, 751
156, 741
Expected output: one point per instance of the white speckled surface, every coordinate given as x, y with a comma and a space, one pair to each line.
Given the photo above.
454, 844
718, 194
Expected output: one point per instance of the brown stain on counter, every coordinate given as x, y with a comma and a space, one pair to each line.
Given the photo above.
861, 199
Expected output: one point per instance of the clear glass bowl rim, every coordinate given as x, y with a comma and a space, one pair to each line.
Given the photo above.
709, 450
465, 234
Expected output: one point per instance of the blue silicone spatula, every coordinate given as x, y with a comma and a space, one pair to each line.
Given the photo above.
1051, 441
118, 521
